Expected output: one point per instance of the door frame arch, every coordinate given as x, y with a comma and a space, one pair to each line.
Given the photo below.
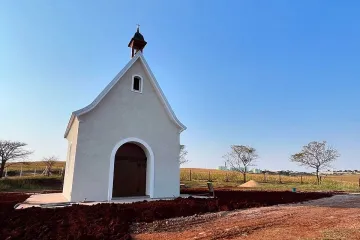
150, 175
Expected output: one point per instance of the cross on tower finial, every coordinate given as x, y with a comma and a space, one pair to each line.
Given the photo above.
137, 42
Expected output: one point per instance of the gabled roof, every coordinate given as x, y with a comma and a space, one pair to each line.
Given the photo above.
107, 89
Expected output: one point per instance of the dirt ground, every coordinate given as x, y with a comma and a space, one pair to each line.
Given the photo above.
337, 217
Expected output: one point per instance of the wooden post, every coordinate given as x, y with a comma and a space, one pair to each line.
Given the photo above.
209, 177
6, 173
301, 179
359, 182
190, 174
34, 172
21, 171
280, 178
264, 176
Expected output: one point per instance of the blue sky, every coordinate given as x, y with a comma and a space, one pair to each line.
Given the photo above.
271, 74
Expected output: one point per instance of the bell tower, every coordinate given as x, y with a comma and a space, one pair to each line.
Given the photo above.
137, 43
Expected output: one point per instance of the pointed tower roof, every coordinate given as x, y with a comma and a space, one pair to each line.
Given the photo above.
137, 39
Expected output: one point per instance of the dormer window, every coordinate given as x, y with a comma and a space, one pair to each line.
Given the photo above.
137, 84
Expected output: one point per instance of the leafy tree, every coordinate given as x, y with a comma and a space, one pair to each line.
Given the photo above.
11, 151
316, 155
240, 158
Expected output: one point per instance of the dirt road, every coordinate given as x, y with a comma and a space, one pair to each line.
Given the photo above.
337, 217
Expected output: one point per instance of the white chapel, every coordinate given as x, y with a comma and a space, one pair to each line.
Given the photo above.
127, 141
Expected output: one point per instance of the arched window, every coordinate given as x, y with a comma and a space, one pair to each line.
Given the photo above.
137, 84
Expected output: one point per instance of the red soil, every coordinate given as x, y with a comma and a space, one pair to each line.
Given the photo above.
8, 201
111, 221
233, 199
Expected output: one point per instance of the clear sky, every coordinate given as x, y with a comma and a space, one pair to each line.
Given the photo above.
271, 74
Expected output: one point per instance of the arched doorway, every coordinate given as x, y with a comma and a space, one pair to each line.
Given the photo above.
129, 171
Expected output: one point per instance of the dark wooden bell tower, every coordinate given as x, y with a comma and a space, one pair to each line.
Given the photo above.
137, 43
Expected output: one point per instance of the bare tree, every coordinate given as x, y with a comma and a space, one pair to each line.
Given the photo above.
11, 151
49, 163
240, 158
183, 154
316, 155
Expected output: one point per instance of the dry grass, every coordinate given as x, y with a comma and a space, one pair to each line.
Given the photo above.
31, 166
218, 175
353, 178
223, 178
231, 176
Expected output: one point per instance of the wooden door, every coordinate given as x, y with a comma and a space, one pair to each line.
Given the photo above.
129, 172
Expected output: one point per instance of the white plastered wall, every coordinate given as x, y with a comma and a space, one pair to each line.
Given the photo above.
70, 159
124, 114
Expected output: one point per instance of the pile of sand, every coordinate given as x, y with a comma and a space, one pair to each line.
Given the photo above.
250, 184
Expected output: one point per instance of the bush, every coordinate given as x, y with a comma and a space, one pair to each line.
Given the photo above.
30, 183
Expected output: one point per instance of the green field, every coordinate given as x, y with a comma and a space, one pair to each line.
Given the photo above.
30, 184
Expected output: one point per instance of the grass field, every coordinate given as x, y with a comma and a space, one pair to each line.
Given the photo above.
25, 184
203, 174
221, 178
221, 175
31, 166
353, 178
199, 177
327, 186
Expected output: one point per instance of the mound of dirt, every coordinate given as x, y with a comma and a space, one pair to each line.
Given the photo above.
250, 184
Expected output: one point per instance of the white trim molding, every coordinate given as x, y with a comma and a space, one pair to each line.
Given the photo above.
141, 83
139, 56
150, 165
